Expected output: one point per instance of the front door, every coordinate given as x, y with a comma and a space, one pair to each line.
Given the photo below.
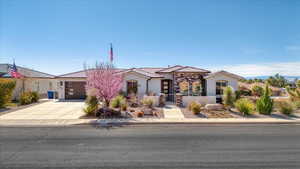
167, 89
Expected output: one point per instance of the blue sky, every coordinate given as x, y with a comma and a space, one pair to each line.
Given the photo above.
246, 37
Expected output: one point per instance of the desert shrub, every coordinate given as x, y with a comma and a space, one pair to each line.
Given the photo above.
26, 98
196, 108
294, 94
228, 97
124, 106
257, 90
29, 97
244, 91
140, 114
264, 105
92, 105
285, 107
162, 100
7, 87
35, 97
297, 104
117, 101
191, 104
147, 102
244, 106
133, 100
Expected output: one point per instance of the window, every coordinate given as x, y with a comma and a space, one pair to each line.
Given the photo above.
132, 86
196, 88
220, 86
184, 88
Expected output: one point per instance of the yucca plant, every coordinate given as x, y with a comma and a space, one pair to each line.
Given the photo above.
264, 105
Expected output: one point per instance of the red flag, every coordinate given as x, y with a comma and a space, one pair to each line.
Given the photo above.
111, 53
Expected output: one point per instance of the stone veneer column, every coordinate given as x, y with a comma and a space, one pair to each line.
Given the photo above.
178, 100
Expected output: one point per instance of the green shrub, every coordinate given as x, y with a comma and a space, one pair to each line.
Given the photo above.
285, 107
257, 90
228, 97
35, 96
245, 106
92, 105
117, 101
297, 104
196, 108
26, 98
264, 105
191, 104
29, 97
147, 102
7, 87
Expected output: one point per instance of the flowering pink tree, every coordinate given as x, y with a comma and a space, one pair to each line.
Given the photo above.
104, 82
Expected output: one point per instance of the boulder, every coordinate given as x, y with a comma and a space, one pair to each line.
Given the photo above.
214, 107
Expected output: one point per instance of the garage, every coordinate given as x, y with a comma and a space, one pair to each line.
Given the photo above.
75, 90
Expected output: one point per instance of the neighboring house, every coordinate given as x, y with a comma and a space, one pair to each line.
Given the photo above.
32, 81
188, 83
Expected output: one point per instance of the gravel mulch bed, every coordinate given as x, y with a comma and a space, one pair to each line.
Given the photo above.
218, 114
158, 112
208, 114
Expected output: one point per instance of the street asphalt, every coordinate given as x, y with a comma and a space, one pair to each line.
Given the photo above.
152, 146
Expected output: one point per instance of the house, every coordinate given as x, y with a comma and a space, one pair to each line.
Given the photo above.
32, 80
178, 83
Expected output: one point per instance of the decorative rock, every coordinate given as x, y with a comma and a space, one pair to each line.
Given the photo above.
147, 111
214, 107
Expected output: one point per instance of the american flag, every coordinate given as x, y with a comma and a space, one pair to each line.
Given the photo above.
111, 53
13, 71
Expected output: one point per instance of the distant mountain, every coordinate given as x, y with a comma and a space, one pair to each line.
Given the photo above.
289, 78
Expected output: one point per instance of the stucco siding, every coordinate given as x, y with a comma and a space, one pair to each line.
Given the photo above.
141, 80
155, 85
211, 83
40, 85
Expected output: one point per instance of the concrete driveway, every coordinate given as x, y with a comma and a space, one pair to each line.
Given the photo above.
48, 110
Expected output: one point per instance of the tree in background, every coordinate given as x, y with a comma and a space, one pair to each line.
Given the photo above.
277, 81
257, 90
298, 83
104, 82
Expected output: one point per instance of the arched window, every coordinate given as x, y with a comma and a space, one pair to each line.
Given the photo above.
184, 88
196, 88
132, 87
220, 85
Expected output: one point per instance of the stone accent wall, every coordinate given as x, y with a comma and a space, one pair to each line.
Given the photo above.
178, 100
190, 78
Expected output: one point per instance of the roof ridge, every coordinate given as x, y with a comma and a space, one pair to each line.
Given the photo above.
8, 64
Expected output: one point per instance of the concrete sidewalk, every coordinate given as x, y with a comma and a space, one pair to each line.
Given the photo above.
67, 122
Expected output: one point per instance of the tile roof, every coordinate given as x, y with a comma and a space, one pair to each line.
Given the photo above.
170, 69
192, 69
223, 72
